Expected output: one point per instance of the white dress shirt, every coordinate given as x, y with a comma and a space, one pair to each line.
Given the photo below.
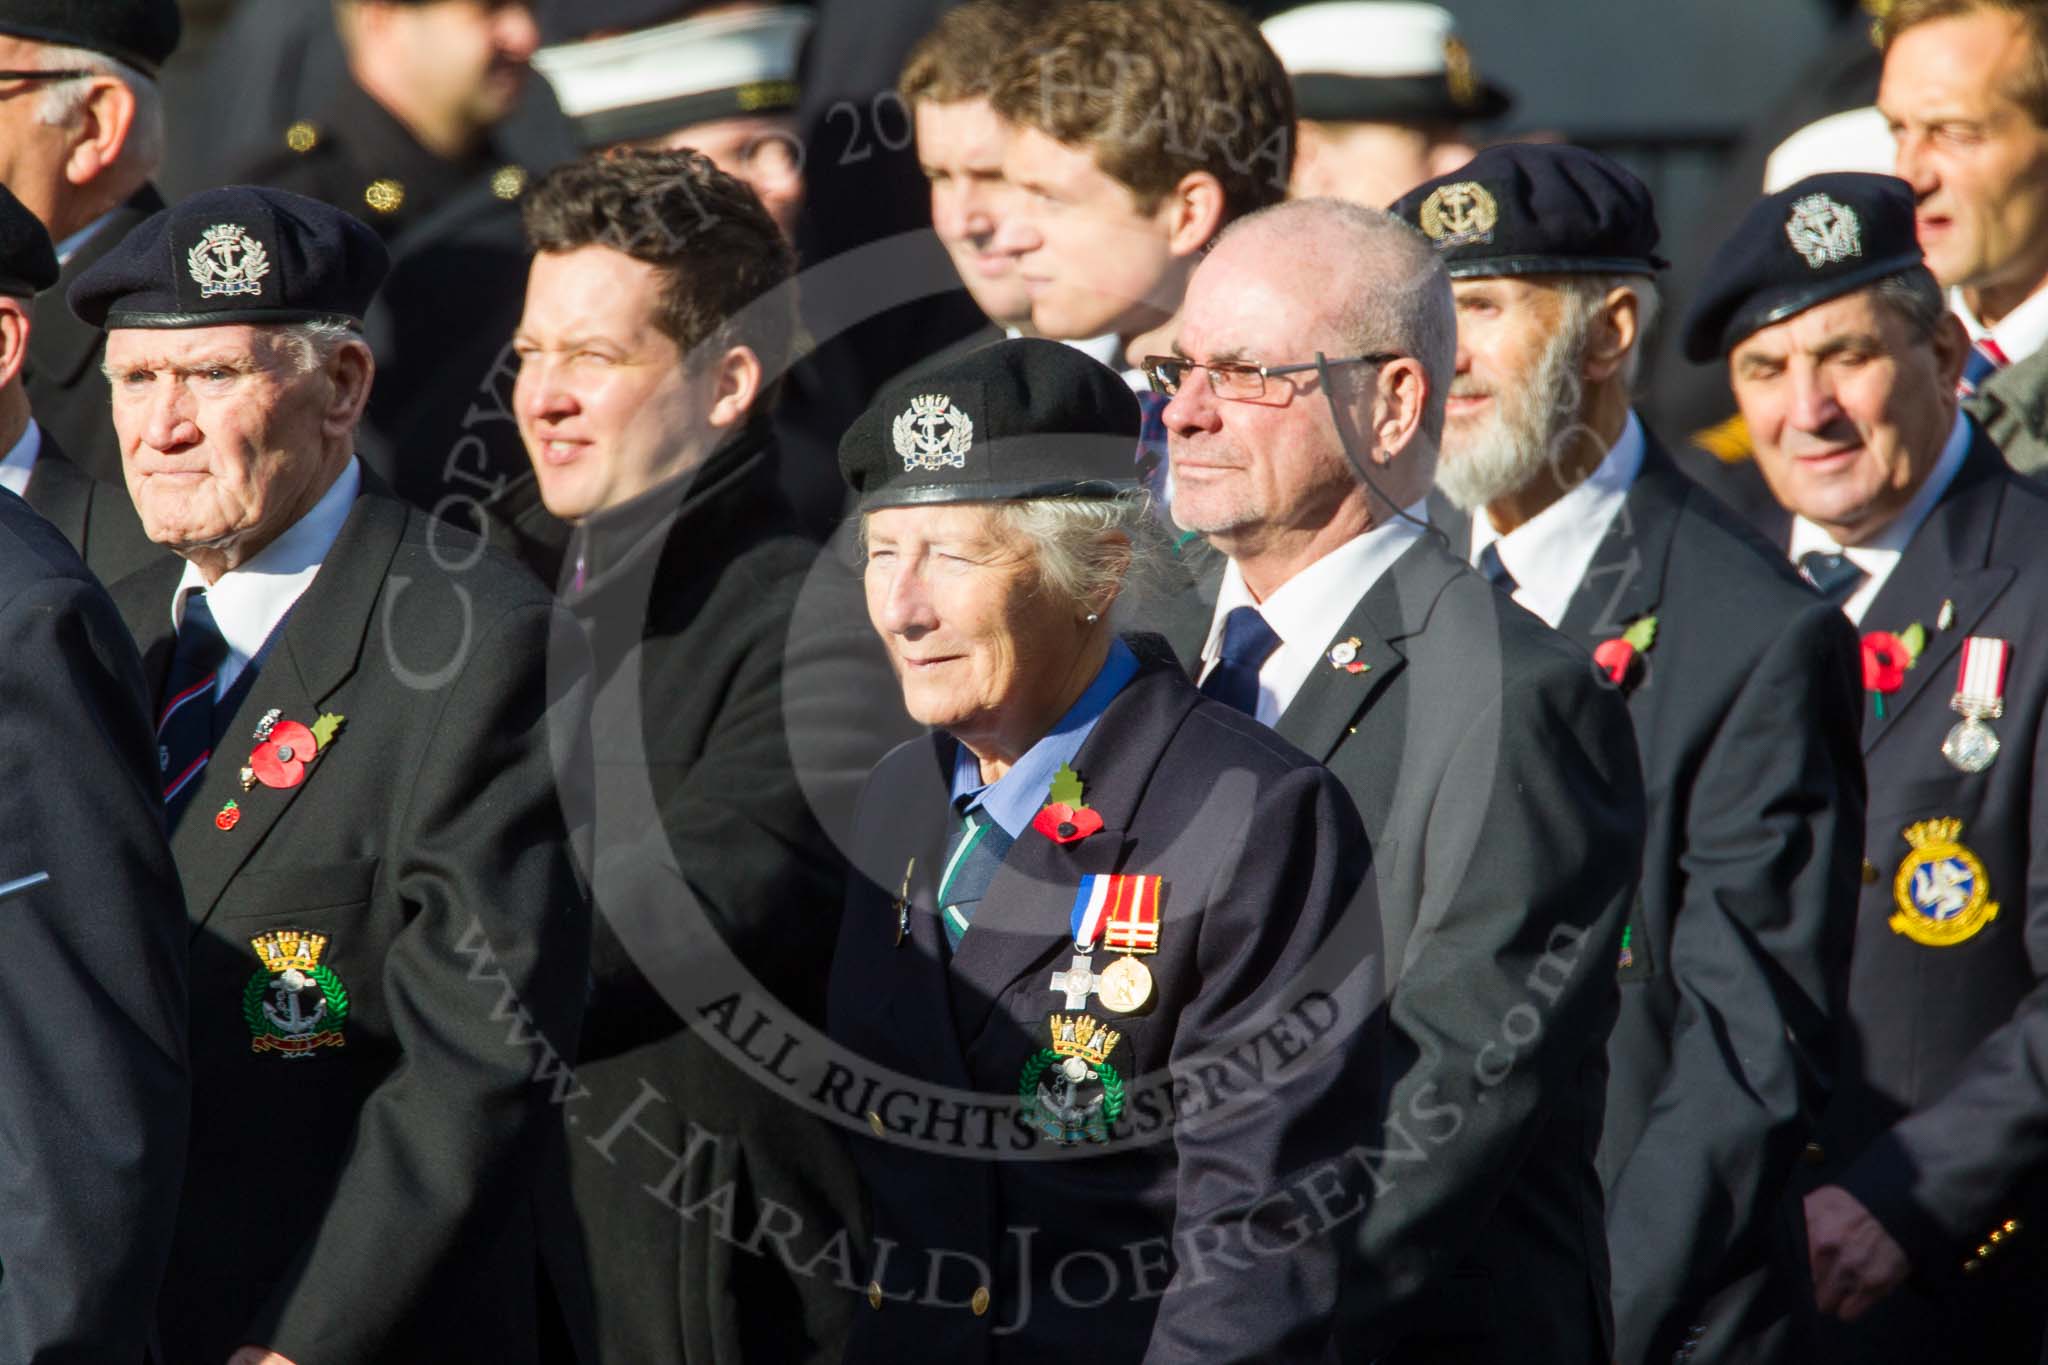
20, 462
1307, 610
2019, 333
250, 599
1549, 554
1879, 555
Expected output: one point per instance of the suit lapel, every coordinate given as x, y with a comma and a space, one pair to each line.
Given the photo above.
1024, 924
59, 344
1946, 560
61, 491
317, 652
1334, 695
1625, 581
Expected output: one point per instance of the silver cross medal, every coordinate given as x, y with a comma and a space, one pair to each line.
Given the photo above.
1078, 981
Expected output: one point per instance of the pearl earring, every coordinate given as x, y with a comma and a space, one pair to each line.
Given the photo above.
1093, 617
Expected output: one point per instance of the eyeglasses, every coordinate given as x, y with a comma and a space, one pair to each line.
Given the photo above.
1241, 383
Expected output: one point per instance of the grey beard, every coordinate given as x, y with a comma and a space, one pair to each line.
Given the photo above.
1525, 434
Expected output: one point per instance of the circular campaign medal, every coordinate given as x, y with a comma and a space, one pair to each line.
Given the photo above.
1125, 985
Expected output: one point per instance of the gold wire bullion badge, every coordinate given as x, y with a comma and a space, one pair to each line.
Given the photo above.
1943, 894
293, 1004
1459, 214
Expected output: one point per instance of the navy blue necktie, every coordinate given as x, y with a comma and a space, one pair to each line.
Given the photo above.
1247, 643
979, 847
1834, 574
184, 726
1494, 571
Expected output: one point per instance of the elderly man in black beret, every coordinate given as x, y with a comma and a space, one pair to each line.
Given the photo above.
1926, 1192
1742, 686
81, 135
94, 1086
353, 730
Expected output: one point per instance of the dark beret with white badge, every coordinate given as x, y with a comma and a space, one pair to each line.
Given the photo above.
1825, 236
1021, 419
243, 254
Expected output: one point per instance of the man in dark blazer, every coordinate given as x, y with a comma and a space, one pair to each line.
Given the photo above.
95, 1087
1742, 685
357, 742
1498, 778
87, 176
1926, 1185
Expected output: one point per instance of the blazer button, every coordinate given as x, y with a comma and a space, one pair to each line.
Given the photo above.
875, 1122
979, 1303
1814, 1154
1869, 872
874, 1294
1971, 1267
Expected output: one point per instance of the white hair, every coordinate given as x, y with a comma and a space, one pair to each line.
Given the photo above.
1584, 294
312, 344
1088, 548
61, 104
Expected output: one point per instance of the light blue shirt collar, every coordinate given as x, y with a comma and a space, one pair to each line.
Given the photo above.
1014, 799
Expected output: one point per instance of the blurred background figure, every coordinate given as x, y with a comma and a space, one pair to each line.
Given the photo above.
1386, 93
412, 124
1967, 101
961, 141
723, 84
81, 135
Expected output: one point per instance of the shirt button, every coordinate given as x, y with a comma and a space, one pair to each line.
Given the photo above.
979, 1303
875, 1122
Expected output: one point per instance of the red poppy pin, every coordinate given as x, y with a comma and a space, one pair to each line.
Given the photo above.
1886, 657
1064, 819
287, 747
1617, 657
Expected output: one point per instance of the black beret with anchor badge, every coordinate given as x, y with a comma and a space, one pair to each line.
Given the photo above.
1537, 209
1021, 419
242, 254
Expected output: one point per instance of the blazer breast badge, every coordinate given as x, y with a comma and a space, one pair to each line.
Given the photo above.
1943, 894
294, 1003
1069, 1091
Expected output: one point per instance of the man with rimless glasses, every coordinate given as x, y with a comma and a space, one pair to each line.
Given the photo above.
1497, 777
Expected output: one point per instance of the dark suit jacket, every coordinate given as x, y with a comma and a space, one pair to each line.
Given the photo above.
66, 390
98, 518
1500, 786
1268, 898
1940, 1125
370, 1202
94, 1083
1745, 713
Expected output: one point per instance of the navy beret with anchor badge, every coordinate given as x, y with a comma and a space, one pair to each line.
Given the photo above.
1021, 419
142, 33
28, 263
237, 255
1825, 236
1537, 209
